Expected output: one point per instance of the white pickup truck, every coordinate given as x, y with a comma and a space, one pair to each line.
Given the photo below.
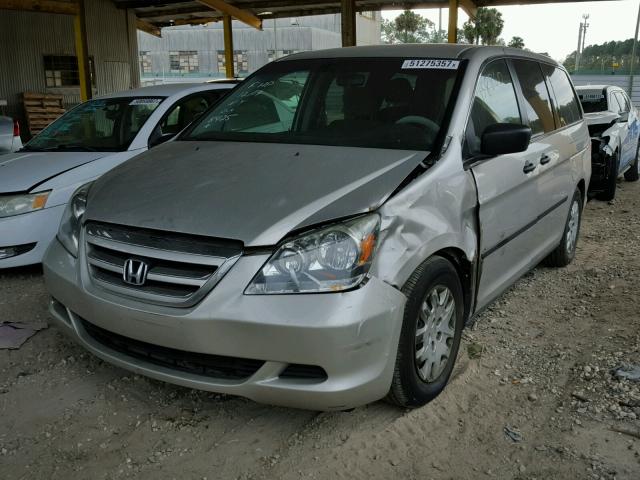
614, 126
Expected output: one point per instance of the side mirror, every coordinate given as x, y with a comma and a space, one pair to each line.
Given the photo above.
156, 138
502, 138
623, 117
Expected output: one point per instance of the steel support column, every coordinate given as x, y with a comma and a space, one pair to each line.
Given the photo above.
453, 21
228, 45
82, 52
348, 16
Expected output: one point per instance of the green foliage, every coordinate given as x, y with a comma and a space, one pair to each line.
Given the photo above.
602, 57
485, 29
469, 33
410, 27
516, 42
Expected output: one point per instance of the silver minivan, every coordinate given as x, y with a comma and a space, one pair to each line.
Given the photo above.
320, 238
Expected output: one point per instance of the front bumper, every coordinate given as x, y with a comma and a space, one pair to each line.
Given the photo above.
353, 336
39, 227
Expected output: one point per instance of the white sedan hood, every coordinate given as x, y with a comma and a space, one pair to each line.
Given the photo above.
23, 171
600, 118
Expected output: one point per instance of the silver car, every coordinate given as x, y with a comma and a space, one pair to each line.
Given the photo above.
320, 237
37, 182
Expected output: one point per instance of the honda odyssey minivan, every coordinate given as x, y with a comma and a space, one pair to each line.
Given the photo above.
320, 237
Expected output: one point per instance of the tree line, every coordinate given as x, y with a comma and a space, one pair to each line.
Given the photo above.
608, 57
485, 29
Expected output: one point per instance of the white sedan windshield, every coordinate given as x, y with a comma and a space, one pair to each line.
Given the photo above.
97, 125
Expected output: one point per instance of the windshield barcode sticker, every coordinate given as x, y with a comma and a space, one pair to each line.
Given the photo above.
424, 63
145, 101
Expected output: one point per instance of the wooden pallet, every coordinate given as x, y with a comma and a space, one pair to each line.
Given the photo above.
41, 110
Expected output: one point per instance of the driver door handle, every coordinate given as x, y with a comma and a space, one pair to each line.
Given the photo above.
545, 159
529, 167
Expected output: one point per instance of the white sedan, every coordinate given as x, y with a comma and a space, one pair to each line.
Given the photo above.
614, 126
84, 143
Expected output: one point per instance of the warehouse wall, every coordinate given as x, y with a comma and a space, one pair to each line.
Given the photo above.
290, 35
25, 37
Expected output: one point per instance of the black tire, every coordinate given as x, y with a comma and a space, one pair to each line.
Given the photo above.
610, 183
563, 255
633, 173
408, 389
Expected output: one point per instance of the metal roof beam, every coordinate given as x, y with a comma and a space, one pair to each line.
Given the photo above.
469, 7
45, 6
172, 12
148, 27
237, 13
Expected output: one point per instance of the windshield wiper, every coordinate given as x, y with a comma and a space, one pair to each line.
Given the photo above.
69, 147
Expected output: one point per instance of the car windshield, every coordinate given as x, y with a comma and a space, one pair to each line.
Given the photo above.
97, 125
378, 103
593, 101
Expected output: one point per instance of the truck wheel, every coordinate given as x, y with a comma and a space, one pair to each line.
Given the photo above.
430, 336
610, 184
565, 252
633, 173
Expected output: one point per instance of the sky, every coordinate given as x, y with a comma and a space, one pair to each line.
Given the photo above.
553, 28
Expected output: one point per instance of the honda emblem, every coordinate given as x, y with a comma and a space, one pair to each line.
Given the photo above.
135, 272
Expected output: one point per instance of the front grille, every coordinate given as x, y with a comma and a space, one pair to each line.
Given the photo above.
181, 268
215, 366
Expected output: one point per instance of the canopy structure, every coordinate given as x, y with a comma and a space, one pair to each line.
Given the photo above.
153, 15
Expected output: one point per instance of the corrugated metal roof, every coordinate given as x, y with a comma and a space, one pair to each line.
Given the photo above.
164, 13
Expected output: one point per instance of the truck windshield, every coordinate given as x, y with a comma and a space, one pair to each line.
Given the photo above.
97, 125
378, 103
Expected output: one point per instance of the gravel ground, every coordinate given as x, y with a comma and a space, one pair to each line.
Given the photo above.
533, 395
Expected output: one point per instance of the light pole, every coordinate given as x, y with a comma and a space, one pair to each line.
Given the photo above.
584, 30
578, 49
633, 55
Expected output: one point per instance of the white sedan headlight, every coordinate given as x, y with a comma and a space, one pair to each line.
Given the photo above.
331, 259
69, 230
11, 205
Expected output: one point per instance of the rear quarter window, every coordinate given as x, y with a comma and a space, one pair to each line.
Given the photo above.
537, 101
566, 104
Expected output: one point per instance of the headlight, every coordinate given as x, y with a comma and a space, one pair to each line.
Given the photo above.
331, 259
69, 230
16, 204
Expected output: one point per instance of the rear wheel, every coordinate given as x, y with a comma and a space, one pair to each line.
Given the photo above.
565, 252
610, 183
430, 336
633, 173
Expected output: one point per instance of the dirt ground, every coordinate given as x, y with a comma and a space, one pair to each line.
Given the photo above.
533, 396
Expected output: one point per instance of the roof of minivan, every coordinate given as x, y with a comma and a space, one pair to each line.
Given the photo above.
168, 89
595, 87
419, 50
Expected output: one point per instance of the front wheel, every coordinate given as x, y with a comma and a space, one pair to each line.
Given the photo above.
565, 252
610, 183
430, 336
633, 173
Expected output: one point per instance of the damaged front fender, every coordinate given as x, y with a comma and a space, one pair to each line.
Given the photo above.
435, 212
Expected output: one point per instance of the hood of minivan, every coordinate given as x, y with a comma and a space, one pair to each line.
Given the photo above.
20, 172
253, 192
